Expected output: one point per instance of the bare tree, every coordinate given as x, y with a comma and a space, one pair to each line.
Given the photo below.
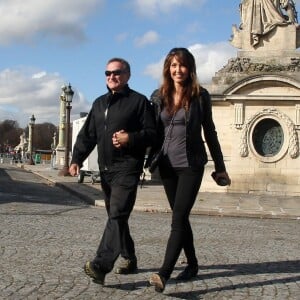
42, 136
9, 134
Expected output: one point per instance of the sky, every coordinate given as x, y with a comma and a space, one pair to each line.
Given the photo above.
47, 44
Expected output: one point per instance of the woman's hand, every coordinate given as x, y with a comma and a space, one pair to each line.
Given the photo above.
222, 178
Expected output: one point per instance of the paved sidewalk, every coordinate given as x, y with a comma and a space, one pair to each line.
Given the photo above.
151, 198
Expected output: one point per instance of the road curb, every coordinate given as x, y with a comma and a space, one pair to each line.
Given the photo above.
150, 208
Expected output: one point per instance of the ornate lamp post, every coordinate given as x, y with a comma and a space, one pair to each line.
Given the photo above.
67, 97
31, 129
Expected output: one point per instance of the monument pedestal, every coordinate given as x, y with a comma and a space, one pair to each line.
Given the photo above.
60, 157
286, 38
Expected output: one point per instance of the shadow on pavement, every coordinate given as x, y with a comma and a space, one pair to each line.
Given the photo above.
18, 185
277, 267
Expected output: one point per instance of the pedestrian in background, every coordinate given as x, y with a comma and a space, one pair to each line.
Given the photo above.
121, 123
183, 110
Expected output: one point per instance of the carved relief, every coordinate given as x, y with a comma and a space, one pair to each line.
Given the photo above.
245, 65
291, 134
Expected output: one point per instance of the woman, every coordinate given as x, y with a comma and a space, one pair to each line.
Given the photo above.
183, 108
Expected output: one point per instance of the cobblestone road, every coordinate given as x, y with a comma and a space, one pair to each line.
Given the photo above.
46, 235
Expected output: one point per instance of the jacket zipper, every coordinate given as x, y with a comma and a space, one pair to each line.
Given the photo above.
105, 128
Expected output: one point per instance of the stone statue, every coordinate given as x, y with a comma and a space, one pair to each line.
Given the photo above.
23, 142
22, 146
290, 8
259, 17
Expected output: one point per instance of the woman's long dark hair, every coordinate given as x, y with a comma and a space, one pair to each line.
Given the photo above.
191, 88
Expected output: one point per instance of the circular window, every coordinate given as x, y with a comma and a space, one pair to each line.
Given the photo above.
268, 137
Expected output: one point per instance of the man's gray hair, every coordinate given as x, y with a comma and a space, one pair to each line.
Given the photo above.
124, 62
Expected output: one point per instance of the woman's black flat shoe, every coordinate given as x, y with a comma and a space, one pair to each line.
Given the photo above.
158, 282
188, 273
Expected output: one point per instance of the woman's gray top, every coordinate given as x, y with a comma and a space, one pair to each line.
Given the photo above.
175, 145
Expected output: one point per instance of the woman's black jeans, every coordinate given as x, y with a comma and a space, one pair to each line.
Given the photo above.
181, 186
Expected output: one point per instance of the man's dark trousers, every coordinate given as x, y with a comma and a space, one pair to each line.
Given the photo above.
120, 190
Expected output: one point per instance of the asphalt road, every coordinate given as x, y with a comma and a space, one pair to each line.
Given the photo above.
47, 234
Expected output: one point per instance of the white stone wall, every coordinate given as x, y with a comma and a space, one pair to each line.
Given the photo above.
251, 174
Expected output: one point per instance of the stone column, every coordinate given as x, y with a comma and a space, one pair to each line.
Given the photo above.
60, 149
298, 116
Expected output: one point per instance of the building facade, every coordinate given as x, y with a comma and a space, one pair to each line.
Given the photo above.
256, 107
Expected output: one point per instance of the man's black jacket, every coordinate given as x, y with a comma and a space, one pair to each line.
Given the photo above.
127, 110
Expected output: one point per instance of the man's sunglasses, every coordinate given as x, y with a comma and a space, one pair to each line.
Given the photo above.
115, 72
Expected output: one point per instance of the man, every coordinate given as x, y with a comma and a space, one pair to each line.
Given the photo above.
121, 123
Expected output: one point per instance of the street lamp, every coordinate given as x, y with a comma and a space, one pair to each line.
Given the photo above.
31, 127
67, 97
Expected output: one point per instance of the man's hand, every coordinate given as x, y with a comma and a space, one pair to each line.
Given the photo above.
74, 170
120, 139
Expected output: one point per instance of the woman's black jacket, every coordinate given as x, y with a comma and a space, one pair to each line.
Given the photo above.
198, 119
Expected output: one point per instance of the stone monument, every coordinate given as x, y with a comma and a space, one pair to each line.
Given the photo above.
23, 145
261, 20
256, 100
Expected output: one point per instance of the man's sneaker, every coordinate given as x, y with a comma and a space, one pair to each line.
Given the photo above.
91, 271
127, 266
